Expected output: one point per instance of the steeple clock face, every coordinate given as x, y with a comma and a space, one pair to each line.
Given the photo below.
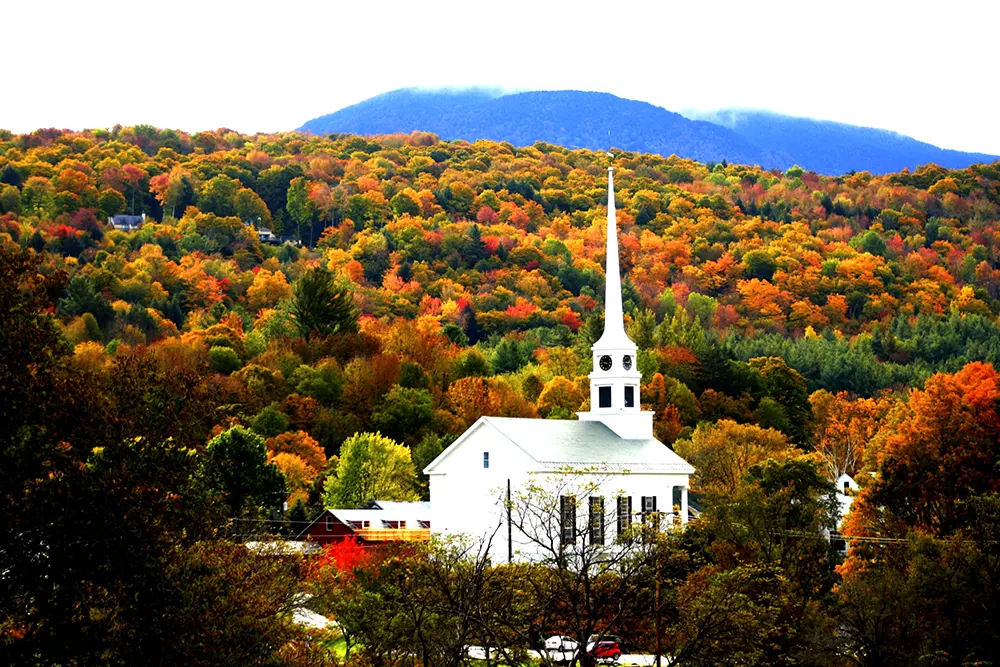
606, 362
627, 362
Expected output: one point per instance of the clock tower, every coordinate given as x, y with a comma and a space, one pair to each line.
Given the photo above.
614, 382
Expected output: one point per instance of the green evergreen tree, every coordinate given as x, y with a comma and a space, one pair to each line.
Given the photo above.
82, 297
237, 465
510, 355
322, 306
404, 413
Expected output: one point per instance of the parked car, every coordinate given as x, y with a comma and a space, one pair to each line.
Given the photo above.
561, 643
561, 648
593, 639
606, 650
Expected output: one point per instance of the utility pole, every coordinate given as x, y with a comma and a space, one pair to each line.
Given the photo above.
510, 542
657, 604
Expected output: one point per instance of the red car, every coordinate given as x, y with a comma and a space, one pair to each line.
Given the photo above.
606, 650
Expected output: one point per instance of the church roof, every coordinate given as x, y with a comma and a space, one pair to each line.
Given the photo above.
561, 443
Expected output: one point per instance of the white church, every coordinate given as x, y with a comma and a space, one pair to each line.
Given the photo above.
604, 472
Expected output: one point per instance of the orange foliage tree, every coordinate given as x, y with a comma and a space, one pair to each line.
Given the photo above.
300, 444
939, 449
844, 427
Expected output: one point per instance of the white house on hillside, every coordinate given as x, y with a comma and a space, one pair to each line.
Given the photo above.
606, 467
846, 488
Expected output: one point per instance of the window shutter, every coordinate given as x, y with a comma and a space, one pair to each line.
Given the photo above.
596, 520
624, 513
567, 518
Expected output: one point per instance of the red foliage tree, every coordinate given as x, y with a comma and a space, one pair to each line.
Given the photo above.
345, 556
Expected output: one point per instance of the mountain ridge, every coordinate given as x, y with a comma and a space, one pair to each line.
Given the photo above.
597, 120
843, 143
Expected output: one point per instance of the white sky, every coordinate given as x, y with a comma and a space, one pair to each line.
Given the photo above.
922, 68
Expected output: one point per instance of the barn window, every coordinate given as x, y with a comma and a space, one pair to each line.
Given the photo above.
329, 523
604, 397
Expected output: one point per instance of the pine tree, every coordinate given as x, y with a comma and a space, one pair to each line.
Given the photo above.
322, 306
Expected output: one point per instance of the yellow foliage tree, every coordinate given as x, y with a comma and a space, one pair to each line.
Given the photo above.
299, 475
561, 395
722, 452
302, 445
268, 288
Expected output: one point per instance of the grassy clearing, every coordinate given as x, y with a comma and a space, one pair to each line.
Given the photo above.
337, 646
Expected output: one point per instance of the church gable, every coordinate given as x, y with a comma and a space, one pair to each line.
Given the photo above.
482, 446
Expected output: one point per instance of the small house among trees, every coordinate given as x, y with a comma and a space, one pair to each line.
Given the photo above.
127, 223
846, 488
267, 236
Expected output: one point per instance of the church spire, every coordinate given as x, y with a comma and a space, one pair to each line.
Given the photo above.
614, 382
614, 317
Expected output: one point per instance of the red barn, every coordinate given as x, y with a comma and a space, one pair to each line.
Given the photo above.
385, 521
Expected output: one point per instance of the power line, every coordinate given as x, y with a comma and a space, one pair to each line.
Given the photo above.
868, 539
269, 520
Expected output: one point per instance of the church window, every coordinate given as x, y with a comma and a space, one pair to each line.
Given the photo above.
567, 518
604, 397
624, 514
629, 396
606, 362
597, 520
486, 459
648, 509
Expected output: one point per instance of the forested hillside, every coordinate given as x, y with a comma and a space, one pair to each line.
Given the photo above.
170, 385
861, 283
579, 119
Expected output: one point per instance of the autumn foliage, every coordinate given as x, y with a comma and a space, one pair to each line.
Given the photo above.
343, 556
939, 450
791, 327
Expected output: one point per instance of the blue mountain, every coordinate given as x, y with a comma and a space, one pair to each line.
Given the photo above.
836, 148
597, 121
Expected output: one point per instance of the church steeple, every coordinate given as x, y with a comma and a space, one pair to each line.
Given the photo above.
614, 382
614, 317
